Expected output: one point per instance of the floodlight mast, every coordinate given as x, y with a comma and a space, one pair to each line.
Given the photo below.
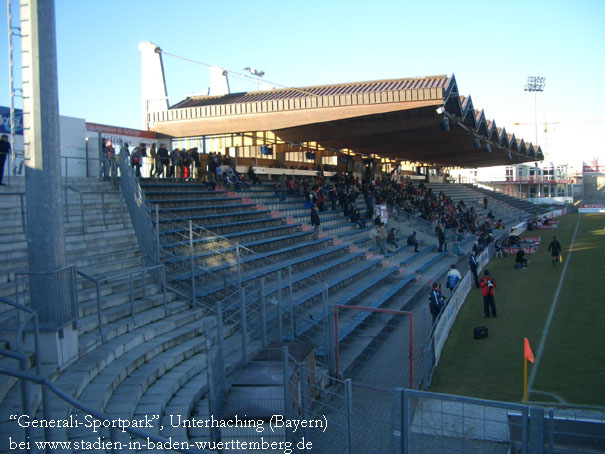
535, 84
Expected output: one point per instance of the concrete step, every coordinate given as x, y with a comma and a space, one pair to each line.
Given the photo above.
93, 377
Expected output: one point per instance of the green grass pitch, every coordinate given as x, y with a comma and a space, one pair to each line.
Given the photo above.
572, 367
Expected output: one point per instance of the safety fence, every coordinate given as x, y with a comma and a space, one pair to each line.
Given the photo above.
14, 206
61, 285
283, 384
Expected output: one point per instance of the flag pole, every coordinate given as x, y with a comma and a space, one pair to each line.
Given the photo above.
524, 379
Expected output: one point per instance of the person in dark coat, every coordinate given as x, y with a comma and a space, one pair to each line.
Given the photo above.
520, 258
315, 221
5, 149
555, 249
441, 238
435, 301
472, 261
412, 241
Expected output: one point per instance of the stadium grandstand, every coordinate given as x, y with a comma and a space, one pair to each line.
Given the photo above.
240, 292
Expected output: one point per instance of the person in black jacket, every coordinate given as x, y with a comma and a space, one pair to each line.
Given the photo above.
435, 301
472, 261
441, 238
5, 149
555, 249
315, 221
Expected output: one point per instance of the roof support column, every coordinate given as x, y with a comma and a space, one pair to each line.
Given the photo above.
45, 236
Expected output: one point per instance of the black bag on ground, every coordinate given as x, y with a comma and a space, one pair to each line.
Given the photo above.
480, 332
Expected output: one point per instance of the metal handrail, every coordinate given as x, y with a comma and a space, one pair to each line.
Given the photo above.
45, 383
73, 291
22, 203
22, 358
77, 191
129, 274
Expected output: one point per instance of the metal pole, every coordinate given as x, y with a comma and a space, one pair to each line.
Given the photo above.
103, 208
82, 213
191, 265
220, 335
302, 391
23, 226
66, 206
157, 230
210, 372
292, 324
25, 399
99, 315
285, 360
121, 207
164, 290
279, 312
349, 400
244, 324
405, 422
132, 298
536, 115
411, 330
239, 268
263, 311
143, 286
326, 319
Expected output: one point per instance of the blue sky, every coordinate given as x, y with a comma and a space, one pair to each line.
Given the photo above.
491, 48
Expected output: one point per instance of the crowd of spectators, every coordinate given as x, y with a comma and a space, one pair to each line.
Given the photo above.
340, 191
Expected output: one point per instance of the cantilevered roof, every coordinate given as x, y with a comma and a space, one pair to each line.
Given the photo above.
416, 119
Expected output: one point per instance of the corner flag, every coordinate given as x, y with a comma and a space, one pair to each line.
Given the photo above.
527, 353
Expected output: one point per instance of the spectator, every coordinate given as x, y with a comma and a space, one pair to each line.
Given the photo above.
555, 249
436, 301
252, 176
136, 161
5, 150
488, 284
154, 156
162, 161
357, 219
392, 240
520, 258
412, 241
441, 238
382, 236
498, 247
315, 221
333, 196
473, 264
453, 277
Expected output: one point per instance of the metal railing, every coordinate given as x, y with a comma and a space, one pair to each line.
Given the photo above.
121, 276
140, 214
21, 213
227, 278
114, 426
21, 356
62, 283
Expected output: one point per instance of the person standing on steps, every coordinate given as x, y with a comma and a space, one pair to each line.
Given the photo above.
5, 149
555, 249
315, 221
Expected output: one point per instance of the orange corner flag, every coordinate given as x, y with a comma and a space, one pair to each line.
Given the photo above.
527, 353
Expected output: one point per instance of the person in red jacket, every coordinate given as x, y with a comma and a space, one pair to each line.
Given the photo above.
488, 284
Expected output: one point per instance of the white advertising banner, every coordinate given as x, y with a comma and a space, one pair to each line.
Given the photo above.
449, 314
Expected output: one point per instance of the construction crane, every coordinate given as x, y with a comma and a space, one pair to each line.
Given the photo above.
546, 123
